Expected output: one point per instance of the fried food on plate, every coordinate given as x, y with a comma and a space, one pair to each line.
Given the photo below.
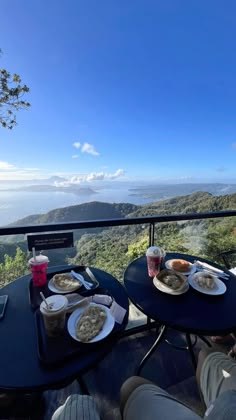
90, 323
205, 280
65, 281
180, 265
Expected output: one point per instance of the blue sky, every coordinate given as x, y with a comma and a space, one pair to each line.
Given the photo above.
122, 90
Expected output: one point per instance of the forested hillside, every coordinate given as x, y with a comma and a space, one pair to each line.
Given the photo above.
113, 248
87, 211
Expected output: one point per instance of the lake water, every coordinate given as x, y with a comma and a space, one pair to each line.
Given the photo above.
16, 205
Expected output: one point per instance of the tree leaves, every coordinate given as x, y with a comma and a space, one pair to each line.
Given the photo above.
11, 93
13, 267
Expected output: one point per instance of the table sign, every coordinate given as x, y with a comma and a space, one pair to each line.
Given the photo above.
50, 241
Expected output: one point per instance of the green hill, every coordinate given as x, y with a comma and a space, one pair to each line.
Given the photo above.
112, 248
81, 212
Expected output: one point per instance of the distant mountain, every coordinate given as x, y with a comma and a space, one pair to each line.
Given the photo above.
194, 203
75, 189
95, 210
160, 192
15, 183
109, 246
81, 212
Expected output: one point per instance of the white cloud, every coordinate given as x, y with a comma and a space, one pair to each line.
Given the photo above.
75, 156
11, 172
31, 169
93, 176
116, 174
86, 148
89, 148
5, 166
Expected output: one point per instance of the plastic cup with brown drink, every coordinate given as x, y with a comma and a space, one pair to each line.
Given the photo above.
53, 310
154, 255
38, 267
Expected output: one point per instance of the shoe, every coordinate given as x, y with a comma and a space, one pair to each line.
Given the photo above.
232, 353
218, 339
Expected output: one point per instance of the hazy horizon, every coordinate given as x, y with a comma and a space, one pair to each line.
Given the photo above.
15, 205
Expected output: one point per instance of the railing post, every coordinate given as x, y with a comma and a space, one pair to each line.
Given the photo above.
151, 233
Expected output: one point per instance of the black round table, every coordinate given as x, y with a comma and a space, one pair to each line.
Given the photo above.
20, 367
191, 313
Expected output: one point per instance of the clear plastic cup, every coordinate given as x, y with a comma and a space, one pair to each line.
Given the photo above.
38, 268
54, 316
154, 255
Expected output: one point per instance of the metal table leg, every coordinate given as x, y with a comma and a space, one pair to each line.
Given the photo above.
83, 386
163, 329
190, 349
205, 340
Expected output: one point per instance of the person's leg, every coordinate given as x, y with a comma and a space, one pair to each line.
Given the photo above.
128, 387
77, 407
216, 373
147, 402
202, 355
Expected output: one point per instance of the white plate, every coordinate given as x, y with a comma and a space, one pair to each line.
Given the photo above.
219, 289
185, 273
167, 290
59, 291
106, 329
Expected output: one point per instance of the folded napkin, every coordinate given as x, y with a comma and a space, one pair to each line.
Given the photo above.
211, 268
75, 300
116, 310
103, 299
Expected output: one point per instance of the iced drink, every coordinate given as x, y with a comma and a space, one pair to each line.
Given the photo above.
154, 256
38, 268
54, 315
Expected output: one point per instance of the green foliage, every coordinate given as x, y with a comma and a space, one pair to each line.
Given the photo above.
13, 267
137, 248
11, 97
112, 249
220, 236
105, 251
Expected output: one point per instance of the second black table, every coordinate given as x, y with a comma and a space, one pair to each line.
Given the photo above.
191, 313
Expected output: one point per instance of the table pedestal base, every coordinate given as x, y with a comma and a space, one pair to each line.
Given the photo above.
162, 330
189, 347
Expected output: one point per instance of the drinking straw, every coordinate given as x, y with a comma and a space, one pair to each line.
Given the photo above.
34, 254
45, 301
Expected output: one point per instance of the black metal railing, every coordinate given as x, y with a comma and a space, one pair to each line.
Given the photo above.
151, 220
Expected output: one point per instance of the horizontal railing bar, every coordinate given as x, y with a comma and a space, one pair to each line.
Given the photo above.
52, 227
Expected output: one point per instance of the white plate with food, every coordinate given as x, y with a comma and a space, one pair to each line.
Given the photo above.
168, 281
90, 324
181, 266
63, 283
207, 283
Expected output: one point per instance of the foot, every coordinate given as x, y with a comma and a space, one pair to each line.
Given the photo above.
232, 352
218, 339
